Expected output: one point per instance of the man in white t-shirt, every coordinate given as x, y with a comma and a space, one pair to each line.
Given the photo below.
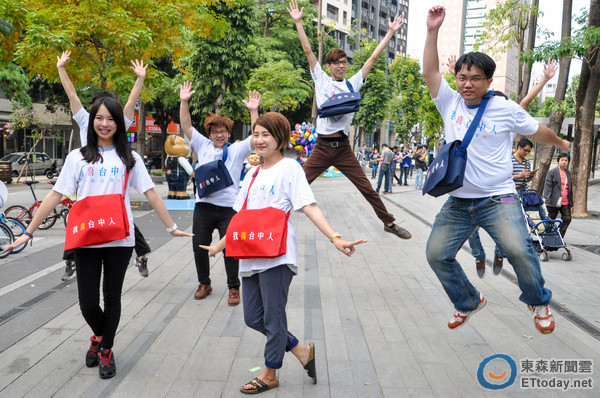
81, 117
487, 198
332, 147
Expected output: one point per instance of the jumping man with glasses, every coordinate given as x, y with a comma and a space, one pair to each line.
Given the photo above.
333, 147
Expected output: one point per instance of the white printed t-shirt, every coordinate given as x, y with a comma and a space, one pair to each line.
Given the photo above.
283, 186
489, 167
103, 178
325, 87
236, 153
82, 118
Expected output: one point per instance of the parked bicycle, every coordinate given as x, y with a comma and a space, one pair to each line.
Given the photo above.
6, 238
26, 214
16, 227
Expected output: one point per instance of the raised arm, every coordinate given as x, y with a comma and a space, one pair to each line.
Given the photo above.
296, 15
252, 104
549, 71
546, 136
393, 27
431, 62
139, 69
185, 93
66, 82
452, 64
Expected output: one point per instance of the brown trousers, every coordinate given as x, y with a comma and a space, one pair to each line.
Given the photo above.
342, 157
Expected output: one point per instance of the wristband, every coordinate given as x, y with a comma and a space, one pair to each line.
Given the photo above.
335, 235
173, 228
30, 237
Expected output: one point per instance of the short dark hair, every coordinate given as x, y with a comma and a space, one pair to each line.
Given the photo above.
480, 60
525, 142
335, 55
563, 155
278, 126
102, 94
216, 120
384, 145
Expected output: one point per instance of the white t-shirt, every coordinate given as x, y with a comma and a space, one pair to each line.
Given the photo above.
103, 178
283, 186
82, 118
236, 153
325, 87
489, 166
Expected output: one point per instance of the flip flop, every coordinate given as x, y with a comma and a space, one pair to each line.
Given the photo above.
260, 385
311, 365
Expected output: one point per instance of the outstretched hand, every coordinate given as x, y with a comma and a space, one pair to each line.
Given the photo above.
295, 13
62, 60
253, 100
18, 242
435, 17
550, 69
212, 250
139, 68
185, 91
396, 24
347, 247
181, 234
452, 64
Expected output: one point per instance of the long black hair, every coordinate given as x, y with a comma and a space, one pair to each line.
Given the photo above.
90, 152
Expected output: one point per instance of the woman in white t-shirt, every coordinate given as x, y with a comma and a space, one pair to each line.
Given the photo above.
280, 183
100, 168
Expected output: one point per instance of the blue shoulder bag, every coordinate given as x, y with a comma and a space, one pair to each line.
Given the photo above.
341, 104
447, 171
212, 176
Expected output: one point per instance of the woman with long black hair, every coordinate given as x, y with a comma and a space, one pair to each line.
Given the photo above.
102, 167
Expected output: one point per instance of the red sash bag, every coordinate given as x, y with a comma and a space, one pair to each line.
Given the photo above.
257, 233
99, 219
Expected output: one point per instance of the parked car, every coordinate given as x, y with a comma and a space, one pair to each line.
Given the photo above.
39, 162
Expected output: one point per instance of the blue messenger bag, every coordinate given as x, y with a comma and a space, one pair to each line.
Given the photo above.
447, 171
341, 104
213, 176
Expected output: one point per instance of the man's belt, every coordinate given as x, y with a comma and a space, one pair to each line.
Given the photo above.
333, 142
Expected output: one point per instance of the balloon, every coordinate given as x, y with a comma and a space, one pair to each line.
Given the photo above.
298, 147
290, 146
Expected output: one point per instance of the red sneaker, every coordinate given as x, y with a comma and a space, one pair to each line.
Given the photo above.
544, 321
460, 318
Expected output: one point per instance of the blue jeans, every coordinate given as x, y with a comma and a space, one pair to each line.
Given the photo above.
404, 172
374, 169
503, 221
419, 179
477, 249
384, 171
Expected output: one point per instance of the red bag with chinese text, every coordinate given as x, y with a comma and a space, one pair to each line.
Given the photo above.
99, 219
257, 233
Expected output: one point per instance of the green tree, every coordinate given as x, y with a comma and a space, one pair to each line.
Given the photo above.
432, 120
15, 84
408, 90
220, 67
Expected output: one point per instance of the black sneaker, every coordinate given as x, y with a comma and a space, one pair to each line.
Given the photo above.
91, 358
398, 231
142, 265
69, 270
107, 368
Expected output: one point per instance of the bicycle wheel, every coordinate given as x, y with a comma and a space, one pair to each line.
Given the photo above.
19, 212
6, 238
64, 214
17, 228
48, 221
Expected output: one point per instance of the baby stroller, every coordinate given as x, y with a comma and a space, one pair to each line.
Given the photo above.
543, 230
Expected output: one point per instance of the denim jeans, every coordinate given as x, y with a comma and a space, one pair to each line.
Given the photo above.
419, 179
374, 169
504, 222
384, 172
404, 172
477, 249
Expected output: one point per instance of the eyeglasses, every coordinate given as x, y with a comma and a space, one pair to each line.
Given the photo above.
340, 63
219, 132
474, 79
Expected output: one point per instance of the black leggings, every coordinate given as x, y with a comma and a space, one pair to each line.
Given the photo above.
207, 218
89, 263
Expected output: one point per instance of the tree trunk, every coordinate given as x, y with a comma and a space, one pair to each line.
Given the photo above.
141, 133
556, 118
220, 96
530, 44
586, 98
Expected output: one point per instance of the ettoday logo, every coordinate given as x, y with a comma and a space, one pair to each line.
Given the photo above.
497, 372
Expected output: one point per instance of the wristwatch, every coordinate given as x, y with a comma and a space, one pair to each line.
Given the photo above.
173, 228
335, 235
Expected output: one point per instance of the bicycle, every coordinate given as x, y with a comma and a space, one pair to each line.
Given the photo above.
66, 203
16, 227
26, 214
6, 238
